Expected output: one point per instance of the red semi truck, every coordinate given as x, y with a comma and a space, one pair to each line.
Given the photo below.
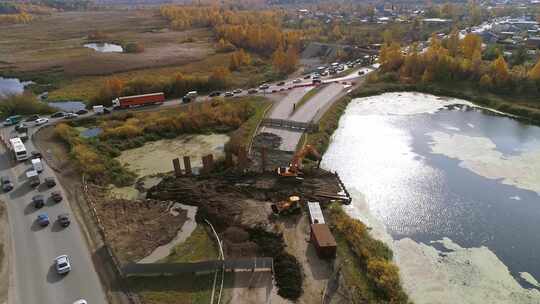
138, 100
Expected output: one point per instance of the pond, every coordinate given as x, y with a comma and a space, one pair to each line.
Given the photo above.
105, 47
452, 188
68, 106
156, 157
10, 86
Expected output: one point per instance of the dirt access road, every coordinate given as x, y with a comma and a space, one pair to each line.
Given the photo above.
33, 278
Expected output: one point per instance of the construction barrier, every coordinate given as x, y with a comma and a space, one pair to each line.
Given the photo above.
259, 264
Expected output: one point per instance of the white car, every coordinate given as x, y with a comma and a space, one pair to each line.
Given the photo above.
297, 80
62, 264
33, 121
41, 121
70, 115
81, 301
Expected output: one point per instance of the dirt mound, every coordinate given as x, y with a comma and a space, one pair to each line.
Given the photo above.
236, 235
240, 200
266, 140
136, 228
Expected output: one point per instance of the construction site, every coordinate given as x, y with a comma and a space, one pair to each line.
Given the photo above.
267, 220
247, 227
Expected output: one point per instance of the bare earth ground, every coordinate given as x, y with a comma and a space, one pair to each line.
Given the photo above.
37, 46
316, 271
4, 248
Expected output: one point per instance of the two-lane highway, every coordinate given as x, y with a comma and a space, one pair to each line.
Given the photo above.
33, 248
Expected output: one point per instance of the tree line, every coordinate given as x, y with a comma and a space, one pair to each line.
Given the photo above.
176, 86
259, 32
456, 60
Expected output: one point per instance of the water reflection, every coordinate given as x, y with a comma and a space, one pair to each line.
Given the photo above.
9, 86
383, 149
105, 47
68, 106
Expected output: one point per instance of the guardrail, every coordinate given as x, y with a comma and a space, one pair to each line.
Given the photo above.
290, 124
257, 128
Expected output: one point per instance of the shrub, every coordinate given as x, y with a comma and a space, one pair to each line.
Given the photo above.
288, 274
133, 47
373, 256
23, 104
288, 271
94, 158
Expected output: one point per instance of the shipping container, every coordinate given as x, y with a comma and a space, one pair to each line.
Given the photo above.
138, 100
323, 241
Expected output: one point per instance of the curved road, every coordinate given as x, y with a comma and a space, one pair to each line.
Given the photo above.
33, 279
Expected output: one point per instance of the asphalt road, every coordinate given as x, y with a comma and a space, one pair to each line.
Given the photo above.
33, 277
308, 112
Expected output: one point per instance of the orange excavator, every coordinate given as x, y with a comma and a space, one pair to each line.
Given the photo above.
288, 206
293, 171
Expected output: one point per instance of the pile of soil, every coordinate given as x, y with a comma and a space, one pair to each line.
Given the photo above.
136, 228
270, 142
267, 140
241, 200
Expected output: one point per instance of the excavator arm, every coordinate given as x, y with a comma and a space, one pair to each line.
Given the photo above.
295, 165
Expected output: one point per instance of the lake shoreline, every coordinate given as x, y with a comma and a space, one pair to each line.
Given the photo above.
462, 271
330, 119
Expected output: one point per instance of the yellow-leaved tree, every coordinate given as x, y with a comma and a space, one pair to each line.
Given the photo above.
470, 45
500, 72
390, 57
534, 73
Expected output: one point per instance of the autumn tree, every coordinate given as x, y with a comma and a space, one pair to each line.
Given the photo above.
219, 77
390, 57
534, 73
291, 59
336, 34
224, 46
499, 68
471, 44
486, 82
452, 43
238, 59
279, 60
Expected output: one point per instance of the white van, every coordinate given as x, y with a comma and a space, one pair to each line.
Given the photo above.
98, 109
191, 94
37, 165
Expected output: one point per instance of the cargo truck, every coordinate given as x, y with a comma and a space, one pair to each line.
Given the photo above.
138, 100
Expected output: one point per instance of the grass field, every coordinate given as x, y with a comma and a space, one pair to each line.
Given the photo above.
188, 288
307, 97
56, 41
199, 246
50, 52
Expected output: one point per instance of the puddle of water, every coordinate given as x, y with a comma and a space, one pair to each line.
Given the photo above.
89, 133
156, 157
68, 106
9, 86
105, 47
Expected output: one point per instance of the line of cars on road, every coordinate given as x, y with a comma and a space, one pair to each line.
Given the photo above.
62, 263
